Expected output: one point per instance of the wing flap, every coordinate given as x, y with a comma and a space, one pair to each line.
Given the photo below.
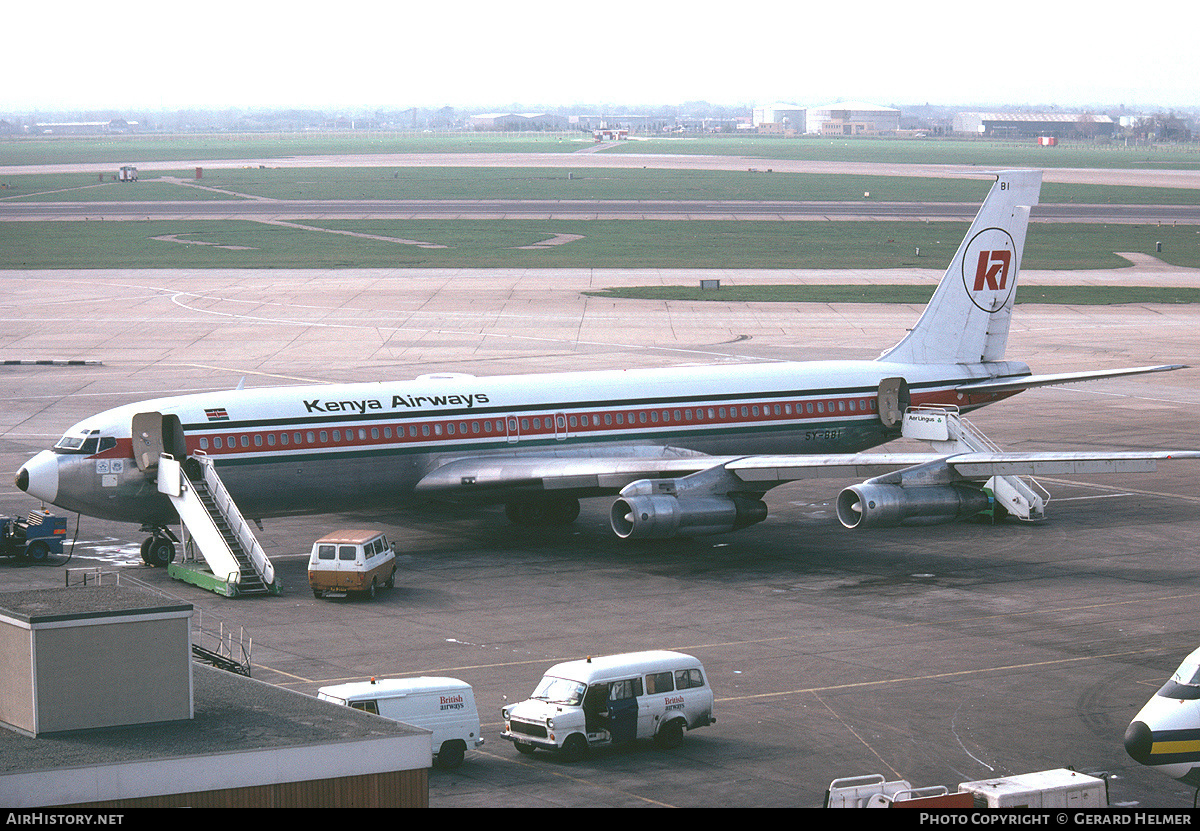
776, 470
602, 473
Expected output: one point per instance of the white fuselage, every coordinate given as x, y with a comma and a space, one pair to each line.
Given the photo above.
318, 449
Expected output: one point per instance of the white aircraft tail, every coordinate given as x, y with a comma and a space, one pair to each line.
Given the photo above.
967, 318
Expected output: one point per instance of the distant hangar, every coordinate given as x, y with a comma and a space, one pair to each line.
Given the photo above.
1029, 125
517, 121
852, 118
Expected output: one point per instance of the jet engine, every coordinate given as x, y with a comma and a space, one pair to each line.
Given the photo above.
664, 515
873, 505
712, 501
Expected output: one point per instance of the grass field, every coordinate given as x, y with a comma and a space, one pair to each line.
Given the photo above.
983, 152
130, 149
601, 244
604, 244
544, 183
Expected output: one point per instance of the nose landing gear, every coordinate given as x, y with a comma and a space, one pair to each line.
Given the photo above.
158, 550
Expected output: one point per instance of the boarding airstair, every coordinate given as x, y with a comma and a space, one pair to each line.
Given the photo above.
214, 528
948, 432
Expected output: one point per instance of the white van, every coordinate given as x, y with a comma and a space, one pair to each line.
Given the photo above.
351, 561
444, 705
612, 700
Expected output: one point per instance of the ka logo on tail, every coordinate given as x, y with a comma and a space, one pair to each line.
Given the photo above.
991, 265
987, 269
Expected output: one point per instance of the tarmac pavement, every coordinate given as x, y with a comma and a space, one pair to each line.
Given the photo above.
939, 654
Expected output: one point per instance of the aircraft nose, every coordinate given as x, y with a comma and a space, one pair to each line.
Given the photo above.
39, 476
1138, 742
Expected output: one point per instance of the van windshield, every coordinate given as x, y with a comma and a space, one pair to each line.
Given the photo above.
559, 691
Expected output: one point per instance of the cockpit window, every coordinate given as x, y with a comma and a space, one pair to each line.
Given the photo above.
85, 442
1188, 673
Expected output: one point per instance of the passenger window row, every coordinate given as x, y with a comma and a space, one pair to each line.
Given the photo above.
530, 425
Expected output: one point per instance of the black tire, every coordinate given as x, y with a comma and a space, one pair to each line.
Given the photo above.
451, 755
574, 748
37, 551
317, 593
146, 543
524, 749
391, 581
161, 552
670, 735
373, 590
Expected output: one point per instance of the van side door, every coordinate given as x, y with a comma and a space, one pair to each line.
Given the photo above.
623, 709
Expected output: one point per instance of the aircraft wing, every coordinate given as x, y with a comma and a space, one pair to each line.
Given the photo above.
665, 492
595, 473
479, 475
1031, 381
487, 476
775, 470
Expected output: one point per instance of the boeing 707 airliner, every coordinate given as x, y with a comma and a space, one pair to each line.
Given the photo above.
684, 451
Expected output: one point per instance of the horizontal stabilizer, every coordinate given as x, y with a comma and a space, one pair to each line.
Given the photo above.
1031, 381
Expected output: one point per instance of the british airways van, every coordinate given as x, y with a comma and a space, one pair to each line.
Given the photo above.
612, 700
445, 706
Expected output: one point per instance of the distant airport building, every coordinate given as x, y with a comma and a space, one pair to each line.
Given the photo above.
1033, 125
517, 121
852, 118
116, 125
779, 118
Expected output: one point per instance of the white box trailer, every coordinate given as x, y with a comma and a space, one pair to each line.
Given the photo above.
1058, 788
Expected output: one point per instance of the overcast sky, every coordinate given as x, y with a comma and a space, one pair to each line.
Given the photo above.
136, 54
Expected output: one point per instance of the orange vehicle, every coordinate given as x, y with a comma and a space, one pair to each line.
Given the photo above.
351, 561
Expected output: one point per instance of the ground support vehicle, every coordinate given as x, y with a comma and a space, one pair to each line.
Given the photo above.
35, 537
445, 706
612, 700
351, 561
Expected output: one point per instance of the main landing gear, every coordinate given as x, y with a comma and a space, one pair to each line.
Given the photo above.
158, 550
543, 512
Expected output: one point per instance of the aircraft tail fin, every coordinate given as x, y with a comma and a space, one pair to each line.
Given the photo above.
968, 316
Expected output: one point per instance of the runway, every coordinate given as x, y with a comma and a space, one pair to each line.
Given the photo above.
466, 209
940, 654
